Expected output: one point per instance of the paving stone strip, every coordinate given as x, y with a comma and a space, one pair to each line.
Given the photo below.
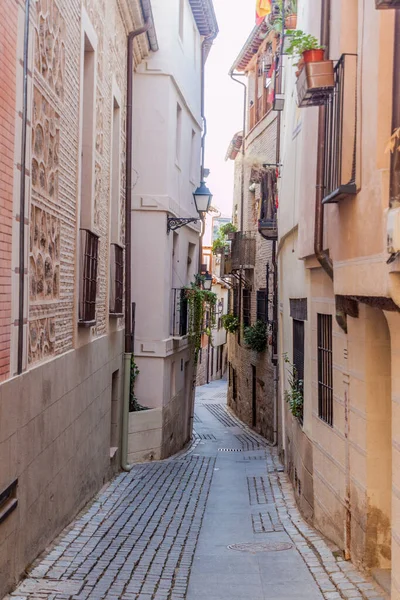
220, 413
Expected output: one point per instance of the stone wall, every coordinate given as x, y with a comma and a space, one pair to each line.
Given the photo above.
260, 146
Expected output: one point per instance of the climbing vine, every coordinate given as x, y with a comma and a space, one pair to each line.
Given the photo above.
201, 311
134, 405
230, 323
294, 395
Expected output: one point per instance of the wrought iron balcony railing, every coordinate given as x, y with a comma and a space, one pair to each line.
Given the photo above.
179, 312
89, 251
116, 280
243, 250
341, 132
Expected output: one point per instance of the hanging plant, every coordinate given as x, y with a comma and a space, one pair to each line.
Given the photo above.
200, 303
255, 336
394, 142
230, 323
221, 242
134, 405
294, 396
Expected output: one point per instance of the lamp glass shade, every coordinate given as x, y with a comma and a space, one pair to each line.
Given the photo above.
279, 102
207, 284
202, 198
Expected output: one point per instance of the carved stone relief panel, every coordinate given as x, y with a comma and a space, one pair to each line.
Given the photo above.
44, 258
42, 337
50, 40
45, 147
99, 121
95, 11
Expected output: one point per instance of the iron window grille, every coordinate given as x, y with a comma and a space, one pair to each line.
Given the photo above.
325, 372
116, 279
243, 250
236, 302
298, 355
246, 308
341, 132
89, 252
180, 313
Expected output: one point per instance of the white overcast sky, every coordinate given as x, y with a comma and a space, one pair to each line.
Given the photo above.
224, 97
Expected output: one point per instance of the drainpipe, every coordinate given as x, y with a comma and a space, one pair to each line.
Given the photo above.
128, 205
322, 256
232, 76
23, 195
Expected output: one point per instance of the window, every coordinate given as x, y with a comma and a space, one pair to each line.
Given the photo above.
236, 302
232, 381
116, 251
246, 308
325, 375
194, 167
298, 354
88, 124
262, 306
181, 18
178, 132
89, 244
116, 279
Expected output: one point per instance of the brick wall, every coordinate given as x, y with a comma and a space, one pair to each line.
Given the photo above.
8, 49
256, 410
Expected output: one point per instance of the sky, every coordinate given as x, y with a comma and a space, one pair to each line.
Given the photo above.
224, 97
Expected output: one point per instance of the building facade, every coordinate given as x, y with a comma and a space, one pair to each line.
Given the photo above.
61, 262
339, 312
251, 264
168, 114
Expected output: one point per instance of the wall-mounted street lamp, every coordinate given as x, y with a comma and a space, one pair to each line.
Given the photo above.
279, 102
207, 282
202, 199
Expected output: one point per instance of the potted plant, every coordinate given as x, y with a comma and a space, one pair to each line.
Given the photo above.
291, 15
230, 323
315, 75
255, 336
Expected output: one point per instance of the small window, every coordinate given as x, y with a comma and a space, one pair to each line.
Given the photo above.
298, 354
262, 306
178, 132
325, 374
246, 308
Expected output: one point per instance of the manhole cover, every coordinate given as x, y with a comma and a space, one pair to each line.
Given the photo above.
230, 450
253, 548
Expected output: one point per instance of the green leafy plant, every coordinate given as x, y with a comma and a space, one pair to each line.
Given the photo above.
134, 405
256, 337
220, 244
294, 396
230, 323
301, 42
200, 303
290, 9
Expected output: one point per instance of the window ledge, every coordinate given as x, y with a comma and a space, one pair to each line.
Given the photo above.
114, 315
87, 323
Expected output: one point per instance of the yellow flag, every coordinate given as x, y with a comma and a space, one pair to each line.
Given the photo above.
263, 8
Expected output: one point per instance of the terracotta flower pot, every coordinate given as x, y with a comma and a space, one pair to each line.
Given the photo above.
314, 55
291, 22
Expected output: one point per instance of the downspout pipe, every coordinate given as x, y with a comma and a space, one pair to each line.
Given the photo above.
322, 256
128, 259
22, 200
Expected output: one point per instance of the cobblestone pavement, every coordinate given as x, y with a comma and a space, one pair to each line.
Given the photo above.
217, 522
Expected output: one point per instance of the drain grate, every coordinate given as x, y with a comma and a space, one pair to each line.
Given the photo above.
254, 548
230, 449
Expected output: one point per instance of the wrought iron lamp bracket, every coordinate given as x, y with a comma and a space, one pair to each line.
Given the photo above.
177, 222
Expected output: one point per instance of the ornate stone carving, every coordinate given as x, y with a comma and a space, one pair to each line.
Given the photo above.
99, 122
44, 259
41, 341
50, 45
45, 147
95, 9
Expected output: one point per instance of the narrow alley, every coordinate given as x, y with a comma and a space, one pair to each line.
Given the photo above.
216, 522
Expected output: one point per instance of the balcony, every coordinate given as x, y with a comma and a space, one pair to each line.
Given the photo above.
243, 251
89, 251
315, 83
116, 280
341, 133
387, 4
179, 312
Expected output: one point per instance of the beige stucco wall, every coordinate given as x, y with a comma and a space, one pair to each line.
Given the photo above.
55, 438
355, 492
